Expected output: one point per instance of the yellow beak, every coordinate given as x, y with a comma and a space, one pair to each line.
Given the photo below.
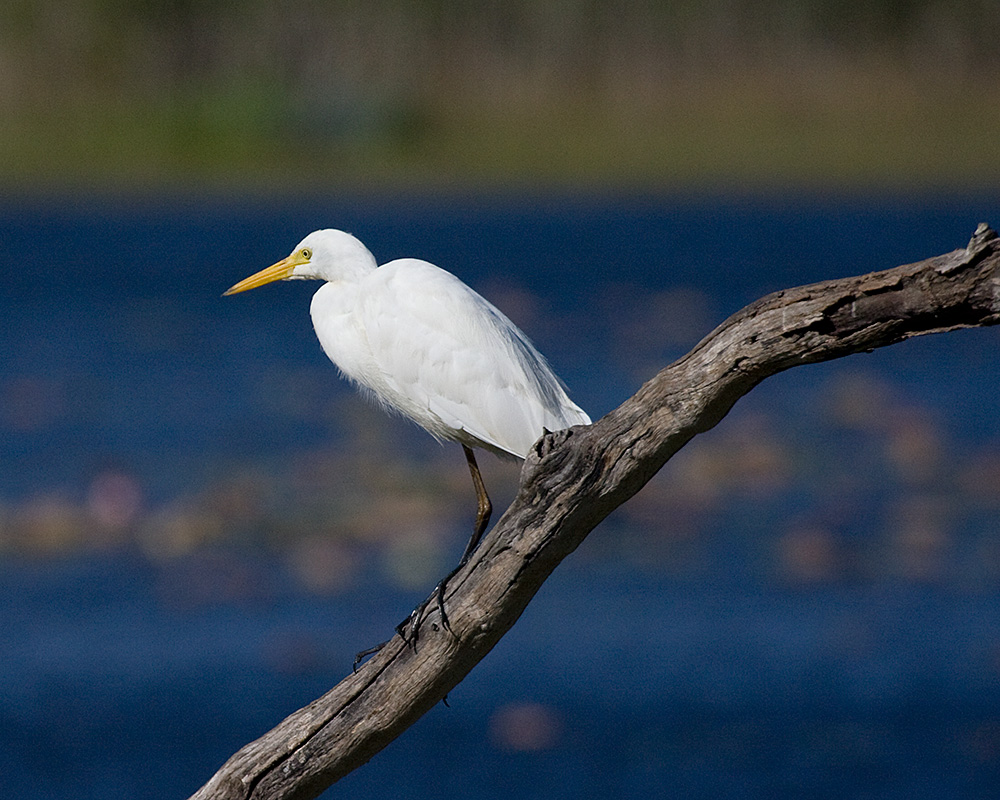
276, 272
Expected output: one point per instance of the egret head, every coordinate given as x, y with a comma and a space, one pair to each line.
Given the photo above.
326, 255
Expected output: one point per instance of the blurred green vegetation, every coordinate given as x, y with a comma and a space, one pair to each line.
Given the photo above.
859, 93
325, 513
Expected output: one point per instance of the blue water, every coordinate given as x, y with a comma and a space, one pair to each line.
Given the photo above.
691, 665
832, 693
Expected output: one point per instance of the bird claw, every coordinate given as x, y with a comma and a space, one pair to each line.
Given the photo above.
409, 628
439, 591
359, 657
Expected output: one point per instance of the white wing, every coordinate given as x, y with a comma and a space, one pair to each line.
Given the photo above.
456, 365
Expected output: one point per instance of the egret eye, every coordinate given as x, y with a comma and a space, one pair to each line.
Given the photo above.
307, 253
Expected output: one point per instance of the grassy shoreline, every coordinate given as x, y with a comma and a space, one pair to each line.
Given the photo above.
838, 131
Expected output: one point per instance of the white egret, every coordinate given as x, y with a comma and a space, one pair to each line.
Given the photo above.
425, 345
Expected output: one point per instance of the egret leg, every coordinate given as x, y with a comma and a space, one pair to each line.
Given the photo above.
484, 508
483, 512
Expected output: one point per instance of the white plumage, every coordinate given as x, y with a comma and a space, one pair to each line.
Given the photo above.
430, 348
427, 346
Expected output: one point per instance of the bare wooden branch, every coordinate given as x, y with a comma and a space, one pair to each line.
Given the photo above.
573, 479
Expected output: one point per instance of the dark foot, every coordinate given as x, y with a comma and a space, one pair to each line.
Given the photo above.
409, 628
365, 653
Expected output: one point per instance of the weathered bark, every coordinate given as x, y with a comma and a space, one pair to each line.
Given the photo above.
573, 479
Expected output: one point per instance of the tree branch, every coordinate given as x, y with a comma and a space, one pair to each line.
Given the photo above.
573, 479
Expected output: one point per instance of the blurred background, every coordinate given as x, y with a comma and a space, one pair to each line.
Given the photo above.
200, 523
